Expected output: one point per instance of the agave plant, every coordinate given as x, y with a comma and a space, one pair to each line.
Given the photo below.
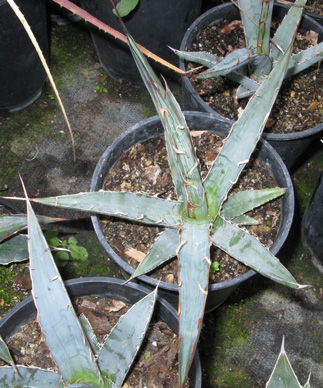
205, 212
250, 66
283, 375
72, 342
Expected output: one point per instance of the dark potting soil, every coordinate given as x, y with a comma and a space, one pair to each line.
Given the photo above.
299, 105
156, 364
313, 6
144, 168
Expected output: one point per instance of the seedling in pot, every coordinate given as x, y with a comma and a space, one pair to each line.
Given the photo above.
65, 249
73, 346
251, 65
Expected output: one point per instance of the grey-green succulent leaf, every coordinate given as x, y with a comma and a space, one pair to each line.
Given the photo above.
178, 138
29, 377
90, 335
6, 356
163, 249
202, 57
11, 224
244, 221
125, 339
304, 59
248, 250
233, 61
284, 34
84, 385
248, 86
243, 138
263, 40
250, 15
194, 265
60, 326
210, 60
244, 201
283, 375
14, 250
260, 66
132, 206
4, 352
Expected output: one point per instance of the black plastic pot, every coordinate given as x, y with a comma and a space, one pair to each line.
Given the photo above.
312, 224
105, 288
289, 146
154, 24
151, 128
21, 73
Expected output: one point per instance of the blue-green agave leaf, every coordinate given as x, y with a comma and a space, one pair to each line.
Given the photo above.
248, 87
194, 264
248, 250
304, 59
243, 138
307, 384
287, 30
131, 206
29, 377
283, 375
202, 57
90, 335
210, 60
263, 46
233, 61
187, 174
14, 250
6, 356
244, 201
60, 326
250, 12
84, 385
5, 353
14, 223
125, 339
163, 249
244, 221
261, 66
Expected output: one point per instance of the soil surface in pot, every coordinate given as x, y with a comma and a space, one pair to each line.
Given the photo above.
313, 6
156, 364
299, 105
144, 168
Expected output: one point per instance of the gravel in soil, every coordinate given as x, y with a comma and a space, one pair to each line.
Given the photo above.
144, 168
299, 105
156, 364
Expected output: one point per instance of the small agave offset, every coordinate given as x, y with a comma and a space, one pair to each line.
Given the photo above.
251, 65
81, 361
203, 214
